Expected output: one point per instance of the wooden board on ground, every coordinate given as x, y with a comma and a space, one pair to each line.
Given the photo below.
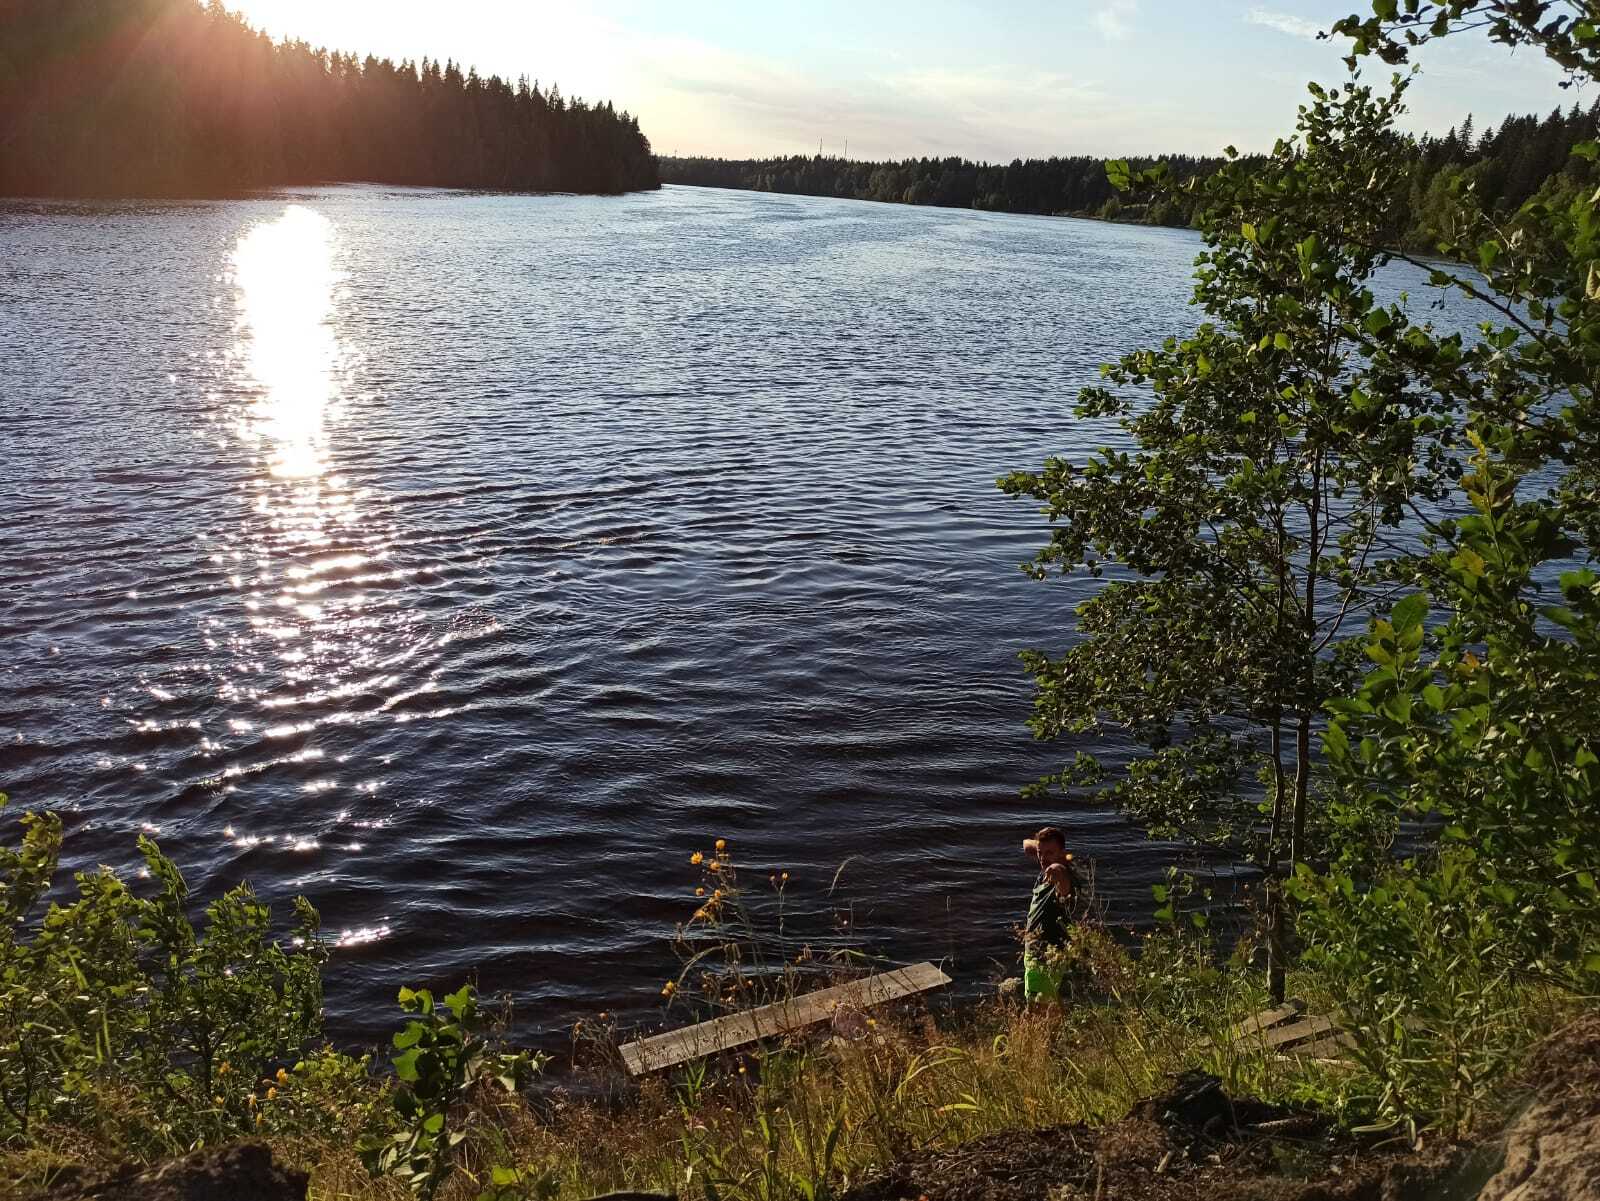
1288, 1033
740, 1029
1265, 1020
1332, 1046
1281, 1038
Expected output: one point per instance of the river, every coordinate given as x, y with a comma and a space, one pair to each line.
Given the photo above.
466, 562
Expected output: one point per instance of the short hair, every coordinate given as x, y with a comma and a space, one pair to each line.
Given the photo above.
1051, 834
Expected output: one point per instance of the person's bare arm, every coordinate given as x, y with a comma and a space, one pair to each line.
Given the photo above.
1060, 877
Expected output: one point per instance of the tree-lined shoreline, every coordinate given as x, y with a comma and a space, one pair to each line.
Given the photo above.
1523, 158
125, 98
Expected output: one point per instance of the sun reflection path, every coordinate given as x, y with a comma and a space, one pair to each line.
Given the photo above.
327, 634
285, 275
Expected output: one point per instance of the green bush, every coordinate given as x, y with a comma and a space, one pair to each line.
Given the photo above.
118, 1017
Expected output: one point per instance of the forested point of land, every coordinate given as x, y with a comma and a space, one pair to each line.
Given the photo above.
176, 98
1526, 156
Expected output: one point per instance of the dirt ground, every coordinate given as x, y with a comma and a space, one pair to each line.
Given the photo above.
1195, 1142
1192, 1142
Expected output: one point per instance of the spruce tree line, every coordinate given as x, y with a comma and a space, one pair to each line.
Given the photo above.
172, 97
1054, 185
1527, 156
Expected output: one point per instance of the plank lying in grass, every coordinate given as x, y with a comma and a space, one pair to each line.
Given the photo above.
1281, 1038
1265, 1020
768, 1021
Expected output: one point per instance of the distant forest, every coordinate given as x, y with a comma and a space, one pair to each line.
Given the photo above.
1507, 165
172, 97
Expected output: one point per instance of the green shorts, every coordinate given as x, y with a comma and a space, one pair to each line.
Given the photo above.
1040, 983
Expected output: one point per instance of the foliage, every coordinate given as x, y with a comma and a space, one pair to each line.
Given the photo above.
1471, 743
116, 994
1272, 452
1483, 728
172, 97
1566, 30
442, 1056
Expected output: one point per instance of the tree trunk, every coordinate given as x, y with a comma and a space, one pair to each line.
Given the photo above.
1276, 965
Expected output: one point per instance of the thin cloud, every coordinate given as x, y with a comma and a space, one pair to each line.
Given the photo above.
1295, 27
1113, 20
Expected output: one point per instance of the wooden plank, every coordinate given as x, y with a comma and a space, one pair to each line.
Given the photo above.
1332, 1046
1268, 1018
1282, 1037
1264, 1020
767, 1021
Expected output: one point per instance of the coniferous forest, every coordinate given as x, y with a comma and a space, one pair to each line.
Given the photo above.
1506, 166
172, 97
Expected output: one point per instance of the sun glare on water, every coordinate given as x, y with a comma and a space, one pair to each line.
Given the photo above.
285, 276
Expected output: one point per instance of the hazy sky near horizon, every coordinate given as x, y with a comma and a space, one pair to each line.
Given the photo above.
994, 80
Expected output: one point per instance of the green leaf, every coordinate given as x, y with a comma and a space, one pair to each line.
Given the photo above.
1119, 174
1470, 561
1409, 612
459, 1001
405, 1066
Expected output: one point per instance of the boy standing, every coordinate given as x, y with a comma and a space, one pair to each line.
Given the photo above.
1049, 913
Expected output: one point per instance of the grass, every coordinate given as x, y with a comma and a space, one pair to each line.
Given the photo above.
799, 1120
802, 1119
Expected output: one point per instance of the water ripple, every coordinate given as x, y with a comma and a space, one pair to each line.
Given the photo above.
467, 563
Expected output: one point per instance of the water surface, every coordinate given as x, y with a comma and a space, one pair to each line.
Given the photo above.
465, 562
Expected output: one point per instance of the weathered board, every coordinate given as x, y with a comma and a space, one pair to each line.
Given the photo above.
740, 1029
1265, 1020
1281, 1038
1332, 1046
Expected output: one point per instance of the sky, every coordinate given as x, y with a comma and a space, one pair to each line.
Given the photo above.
991, 80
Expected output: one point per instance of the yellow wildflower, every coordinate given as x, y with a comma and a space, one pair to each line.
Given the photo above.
283, 1076
697, 859
669, 988
700, 892
722, 844
218, 1100
272, 1094
786, 875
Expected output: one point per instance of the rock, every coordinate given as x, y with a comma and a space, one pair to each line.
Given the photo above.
241, 1172
1550, 1156
1552, 1150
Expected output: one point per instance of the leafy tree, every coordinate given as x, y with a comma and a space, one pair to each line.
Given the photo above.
1565, 30
135, 97
1251, 525
1484, 728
